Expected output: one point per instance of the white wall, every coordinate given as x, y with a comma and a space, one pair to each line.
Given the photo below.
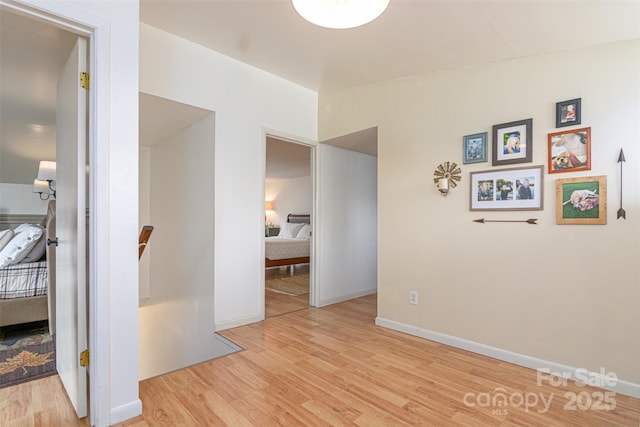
176, 320
18, 199
570, 294
247, 101
144, 218
346, 225
289, 196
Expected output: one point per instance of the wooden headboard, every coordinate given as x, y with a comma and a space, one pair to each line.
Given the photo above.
299, 218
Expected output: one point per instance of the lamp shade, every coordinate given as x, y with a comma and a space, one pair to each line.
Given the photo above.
40, 186
47, 171
340, 14
269, 205
443, 184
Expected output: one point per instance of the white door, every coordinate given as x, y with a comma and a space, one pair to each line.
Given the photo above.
71, 220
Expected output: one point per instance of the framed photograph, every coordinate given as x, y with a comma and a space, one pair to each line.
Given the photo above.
507, 189
570, 151
512, 143
474, 148
581, 200
568, 112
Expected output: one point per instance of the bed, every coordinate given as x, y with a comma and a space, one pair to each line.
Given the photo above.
293, 244
27, 289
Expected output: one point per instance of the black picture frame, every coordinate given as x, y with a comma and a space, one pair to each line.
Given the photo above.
569, 113
512, 143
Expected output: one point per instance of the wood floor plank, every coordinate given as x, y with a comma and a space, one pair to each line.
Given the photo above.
333, 367
329, 412
227, 413
277, 304
39, 403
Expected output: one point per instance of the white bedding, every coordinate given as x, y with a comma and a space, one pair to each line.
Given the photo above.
23, 280
283, 248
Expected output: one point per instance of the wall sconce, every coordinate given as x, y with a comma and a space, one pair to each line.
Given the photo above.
41, 187
443, 185
44, 182
447, 176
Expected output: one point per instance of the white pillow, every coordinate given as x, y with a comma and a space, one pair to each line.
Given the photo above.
305, 232
38, 250
290, 230
22, 227
5, 237
20, 246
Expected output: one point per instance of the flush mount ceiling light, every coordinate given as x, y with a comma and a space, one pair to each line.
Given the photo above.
340, 14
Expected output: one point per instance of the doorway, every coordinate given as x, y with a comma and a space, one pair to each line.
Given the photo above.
289, 207
49, 121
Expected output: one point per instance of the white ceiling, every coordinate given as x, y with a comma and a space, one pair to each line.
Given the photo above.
161, 118
32, 55
411, 37
363, 141
286, 160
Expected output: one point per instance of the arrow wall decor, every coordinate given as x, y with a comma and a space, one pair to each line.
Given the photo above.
528, 221
621, 212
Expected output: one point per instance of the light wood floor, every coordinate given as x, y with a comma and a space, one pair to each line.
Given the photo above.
41, 403
277, 304
333, 367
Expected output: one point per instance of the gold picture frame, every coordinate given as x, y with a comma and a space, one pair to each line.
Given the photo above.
581, 200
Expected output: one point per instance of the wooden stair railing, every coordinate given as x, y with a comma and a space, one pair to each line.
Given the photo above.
145, 234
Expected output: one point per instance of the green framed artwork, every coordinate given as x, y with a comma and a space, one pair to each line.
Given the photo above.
581, 200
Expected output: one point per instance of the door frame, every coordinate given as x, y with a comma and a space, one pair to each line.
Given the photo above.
313, 145
96, 30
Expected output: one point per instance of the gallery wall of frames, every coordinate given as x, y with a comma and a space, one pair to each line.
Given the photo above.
579, 200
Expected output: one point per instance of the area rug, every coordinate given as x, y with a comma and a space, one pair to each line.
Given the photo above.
289, 285
27, 352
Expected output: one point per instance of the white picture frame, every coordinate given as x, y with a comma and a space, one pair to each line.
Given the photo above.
510, 189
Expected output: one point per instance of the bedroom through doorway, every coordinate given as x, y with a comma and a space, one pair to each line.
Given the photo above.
288, 226
46, 191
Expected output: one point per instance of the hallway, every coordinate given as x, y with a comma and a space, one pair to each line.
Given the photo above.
277, 304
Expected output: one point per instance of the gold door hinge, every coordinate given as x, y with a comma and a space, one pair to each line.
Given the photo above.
84, 80
84, 358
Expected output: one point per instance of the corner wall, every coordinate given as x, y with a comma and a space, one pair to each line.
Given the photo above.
346, 234
177, 318
566, 294
247, 101
144, 218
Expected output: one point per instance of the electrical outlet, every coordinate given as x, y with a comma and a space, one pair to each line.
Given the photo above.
413, 297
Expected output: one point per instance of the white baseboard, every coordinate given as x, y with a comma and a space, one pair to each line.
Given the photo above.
125, 412
325, 302
234, 323
577, 374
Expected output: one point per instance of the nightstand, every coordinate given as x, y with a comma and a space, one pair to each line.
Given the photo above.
273, 231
